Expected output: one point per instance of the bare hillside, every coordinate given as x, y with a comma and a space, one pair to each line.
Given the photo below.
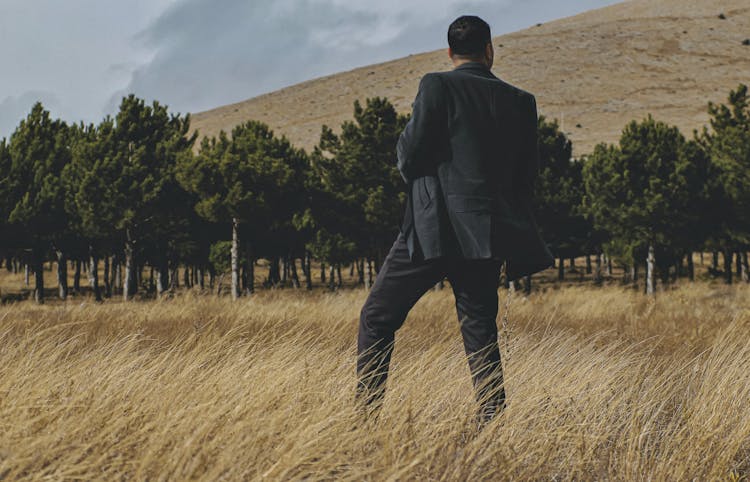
594, 72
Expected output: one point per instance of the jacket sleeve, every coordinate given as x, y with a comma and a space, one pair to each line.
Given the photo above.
416, 144
530, 157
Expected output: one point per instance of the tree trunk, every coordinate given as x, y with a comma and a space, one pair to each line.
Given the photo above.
609, 266
360, 272
561, 269
303, 264
368, 284
38, 279
322, 273
284, 270
308, 275
186, 277
87, 268
274, 276
598, 271
745, 268
107, 285
715, 261
527, 285
219, 282
115, 273
129, 285
94, 273
351, 268
738, 264
728, 266
243, 277
634, 272
332, 277
665, 275
62, 275
650, 271
573, 268
77, 276
202, 277
293, 269
162, 278
174, 276
211, 278
588, 264
26, 272
235, 259
690, 267
340, 281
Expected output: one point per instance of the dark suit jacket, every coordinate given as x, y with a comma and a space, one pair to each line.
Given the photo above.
469, 155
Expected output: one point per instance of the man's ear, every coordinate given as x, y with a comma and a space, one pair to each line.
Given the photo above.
450, 53
489, 54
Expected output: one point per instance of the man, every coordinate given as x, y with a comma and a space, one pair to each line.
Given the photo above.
469, 157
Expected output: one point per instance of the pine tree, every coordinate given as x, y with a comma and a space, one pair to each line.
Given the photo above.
363, 191
558, 195
39, 151
639, 193
6, 236
248, 181
727, 144
128, 182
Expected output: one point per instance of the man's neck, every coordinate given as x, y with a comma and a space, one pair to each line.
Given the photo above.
459, 61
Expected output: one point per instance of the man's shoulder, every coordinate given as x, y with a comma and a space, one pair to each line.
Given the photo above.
508, 88
515, 91
432, 78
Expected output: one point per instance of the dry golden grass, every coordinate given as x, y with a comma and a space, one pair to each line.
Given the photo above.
602, 383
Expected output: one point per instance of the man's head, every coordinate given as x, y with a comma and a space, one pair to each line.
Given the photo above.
469, 40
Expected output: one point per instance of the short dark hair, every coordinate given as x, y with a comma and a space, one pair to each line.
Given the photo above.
469, 35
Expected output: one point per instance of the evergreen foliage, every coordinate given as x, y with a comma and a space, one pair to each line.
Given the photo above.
131, 191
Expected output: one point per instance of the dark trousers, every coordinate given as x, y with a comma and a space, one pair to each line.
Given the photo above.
398, 286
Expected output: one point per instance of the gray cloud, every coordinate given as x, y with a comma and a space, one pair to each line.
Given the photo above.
211, 53
80, 56
65, 50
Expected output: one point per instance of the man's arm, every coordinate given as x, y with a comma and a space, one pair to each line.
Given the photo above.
530, 157
415, 148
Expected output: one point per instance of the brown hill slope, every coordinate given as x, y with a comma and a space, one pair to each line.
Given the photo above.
594, 71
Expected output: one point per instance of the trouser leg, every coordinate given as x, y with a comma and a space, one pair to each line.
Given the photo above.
475, 286
398, 286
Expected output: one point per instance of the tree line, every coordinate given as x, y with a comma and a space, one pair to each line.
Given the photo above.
138, 192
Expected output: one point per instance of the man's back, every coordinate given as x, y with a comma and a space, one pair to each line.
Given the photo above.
472, 146
491, 126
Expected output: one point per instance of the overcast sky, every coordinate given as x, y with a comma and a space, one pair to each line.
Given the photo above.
79, 57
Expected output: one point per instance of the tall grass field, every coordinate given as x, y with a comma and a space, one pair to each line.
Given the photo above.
602, 382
